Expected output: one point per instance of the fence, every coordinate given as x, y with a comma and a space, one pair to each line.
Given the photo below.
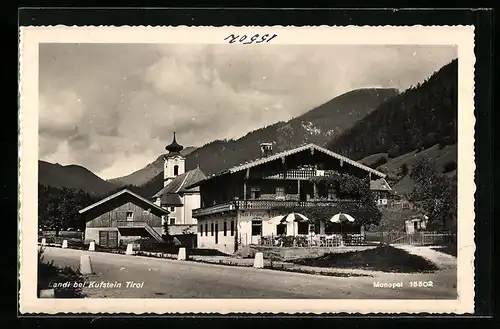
73, 238
334, 240
422, 238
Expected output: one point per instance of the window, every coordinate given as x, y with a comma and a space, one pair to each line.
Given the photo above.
302, 228
130, 216
256, 227
201, 230
172, 221
232, 228
225, 228
312, 228
172, 209
332, 194
281, 229
206, 229
280, 192
212, 228
176, 170
108, 239
255, 193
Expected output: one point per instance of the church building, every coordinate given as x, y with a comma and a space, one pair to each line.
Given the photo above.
175, 196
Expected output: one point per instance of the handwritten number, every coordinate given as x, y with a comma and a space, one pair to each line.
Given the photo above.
262, 38
255, 38
252, 39
274, 36
232, 37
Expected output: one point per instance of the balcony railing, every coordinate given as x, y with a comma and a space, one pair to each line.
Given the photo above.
268, 204
131, 224
140, 224
299, 174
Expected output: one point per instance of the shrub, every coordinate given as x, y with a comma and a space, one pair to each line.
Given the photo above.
449, 166
380, 161
394, 152
49, 275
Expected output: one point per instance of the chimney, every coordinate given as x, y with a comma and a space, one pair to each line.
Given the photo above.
266, 149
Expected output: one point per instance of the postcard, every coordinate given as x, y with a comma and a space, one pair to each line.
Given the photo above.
259, 169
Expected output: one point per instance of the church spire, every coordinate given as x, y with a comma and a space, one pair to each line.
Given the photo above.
174, 147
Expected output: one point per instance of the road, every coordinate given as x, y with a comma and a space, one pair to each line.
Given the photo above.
164, 278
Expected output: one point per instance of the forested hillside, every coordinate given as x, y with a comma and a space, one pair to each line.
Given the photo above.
418, 118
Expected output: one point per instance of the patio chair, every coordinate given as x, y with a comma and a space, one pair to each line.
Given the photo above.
329, 241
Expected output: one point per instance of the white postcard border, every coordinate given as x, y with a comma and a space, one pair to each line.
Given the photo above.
30, 37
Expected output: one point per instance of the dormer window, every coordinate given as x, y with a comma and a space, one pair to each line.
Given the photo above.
176, 170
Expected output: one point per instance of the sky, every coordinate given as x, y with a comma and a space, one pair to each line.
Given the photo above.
113, 108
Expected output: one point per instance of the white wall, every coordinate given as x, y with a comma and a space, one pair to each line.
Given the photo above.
191, 201
168, 169
225, 242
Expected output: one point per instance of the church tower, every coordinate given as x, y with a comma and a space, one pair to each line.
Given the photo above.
174, 162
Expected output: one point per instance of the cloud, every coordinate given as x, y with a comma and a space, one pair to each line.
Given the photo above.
113, 107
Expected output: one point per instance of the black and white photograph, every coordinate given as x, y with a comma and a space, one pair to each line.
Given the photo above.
257, 171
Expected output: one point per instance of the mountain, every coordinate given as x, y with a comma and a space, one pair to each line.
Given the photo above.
72, 176
317, 126
144, 175
420, 121
418, 118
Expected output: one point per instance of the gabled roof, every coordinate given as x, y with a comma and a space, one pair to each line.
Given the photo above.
125, 191
301, 148
181, 183
380, 185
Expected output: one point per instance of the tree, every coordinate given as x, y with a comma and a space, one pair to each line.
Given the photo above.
434, 194
404, 169
348, 187
166, 228
58, 207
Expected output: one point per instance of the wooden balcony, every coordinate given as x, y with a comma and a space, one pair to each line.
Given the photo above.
215, 209
264, 204
296, 174
123, 223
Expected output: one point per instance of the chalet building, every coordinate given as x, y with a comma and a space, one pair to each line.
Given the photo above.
381, 190
122, 218
386, 197
240, 201
175, 196
416, 224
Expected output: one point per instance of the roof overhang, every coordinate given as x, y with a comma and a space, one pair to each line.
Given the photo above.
122, 192
280, 155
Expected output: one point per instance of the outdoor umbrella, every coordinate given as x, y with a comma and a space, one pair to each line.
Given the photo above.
291, 217
341, 218
294, 217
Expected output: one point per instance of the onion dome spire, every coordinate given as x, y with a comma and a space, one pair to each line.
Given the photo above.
174, 147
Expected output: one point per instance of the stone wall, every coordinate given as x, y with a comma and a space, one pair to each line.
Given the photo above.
289, 253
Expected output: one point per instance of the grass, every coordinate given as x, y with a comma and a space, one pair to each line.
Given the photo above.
450, 249
50, 277
382, 258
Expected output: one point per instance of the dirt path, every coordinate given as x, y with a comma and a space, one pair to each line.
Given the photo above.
442, 260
